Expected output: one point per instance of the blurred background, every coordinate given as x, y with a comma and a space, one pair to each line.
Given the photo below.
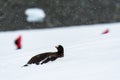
57, 13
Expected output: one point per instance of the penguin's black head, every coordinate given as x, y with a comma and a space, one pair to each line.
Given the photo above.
60, 50
59, 47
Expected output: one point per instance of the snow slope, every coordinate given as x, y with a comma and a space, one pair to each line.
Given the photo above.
89, 55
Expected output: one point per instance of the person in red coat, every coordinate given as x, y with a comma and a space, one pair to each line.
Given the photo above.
18, 42
105, 31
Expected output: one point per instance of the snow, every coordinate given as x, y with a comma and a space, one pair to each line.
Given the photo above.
89, 54
35, 15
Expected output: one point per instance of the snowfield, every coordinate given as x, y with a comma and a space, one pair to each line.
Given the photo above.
89, 54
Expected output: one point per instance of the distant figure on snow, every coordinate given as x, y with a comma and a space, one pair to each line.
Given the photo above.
46, 57
18, 42
105, 31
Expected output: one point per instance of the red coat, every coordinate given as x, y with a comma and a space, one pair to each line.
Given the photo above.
106, 31
18, 42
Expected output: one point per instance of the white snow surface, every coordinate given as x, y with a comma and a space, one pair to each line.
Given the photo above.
89, 55
35, 15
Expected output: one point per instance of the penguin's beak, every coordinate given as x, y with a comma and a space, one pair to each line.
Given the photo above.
56, 46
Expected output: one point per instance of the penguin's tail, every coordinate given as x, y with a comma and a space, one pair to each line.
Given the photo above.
25, 65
